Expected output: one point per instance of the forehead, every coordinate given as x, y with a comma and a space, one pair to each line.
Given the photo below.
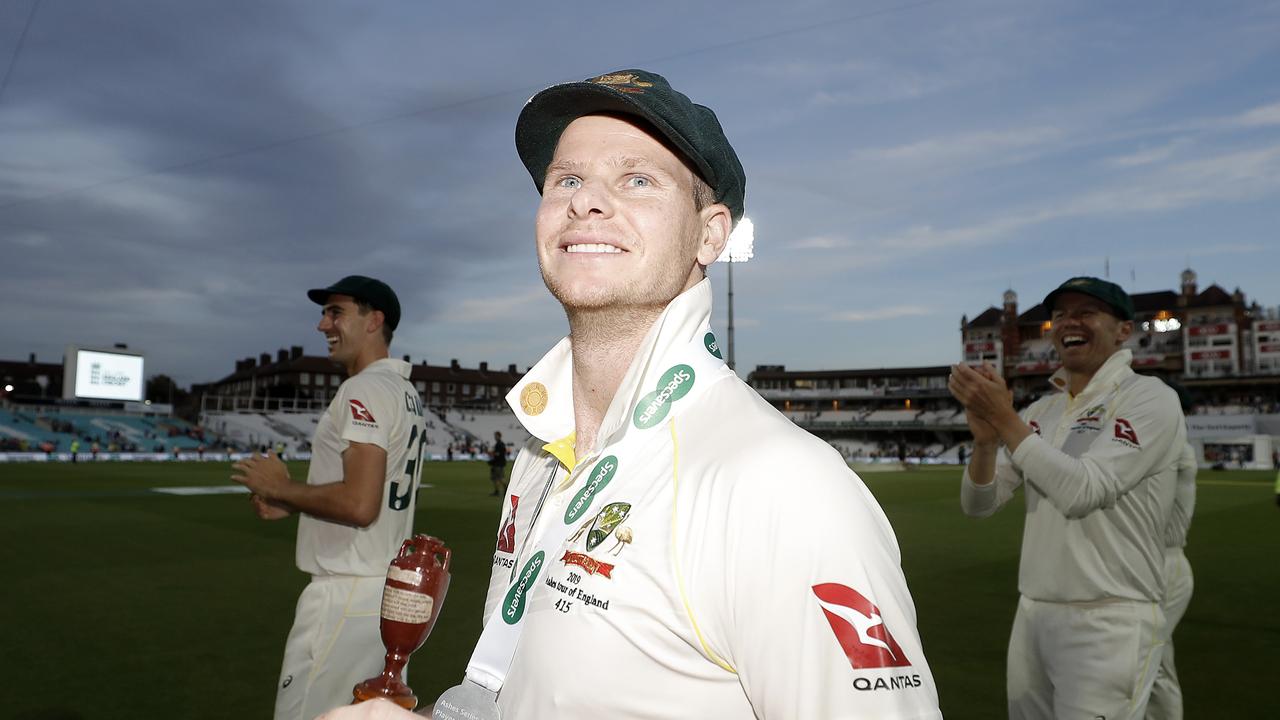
339, 300
1079, 301
615, 139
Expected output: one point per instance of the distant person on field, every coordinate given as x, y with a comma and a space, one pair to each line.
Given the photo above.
75, 448
1166, 694
498, 465
1099, 459
356, 505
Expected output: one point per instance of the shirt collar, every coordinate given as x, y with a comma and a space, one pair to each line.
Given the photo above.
1112, 373
543, 399
392, 365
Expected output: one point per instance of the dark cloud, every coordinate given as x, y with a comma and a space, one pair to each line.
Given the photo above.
175, 175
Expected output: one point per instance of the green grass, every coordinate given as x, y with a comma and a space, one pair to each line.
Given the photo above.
122, 603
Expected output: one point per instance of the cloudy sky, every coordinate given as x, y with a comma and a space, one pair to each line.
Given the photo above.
174, 175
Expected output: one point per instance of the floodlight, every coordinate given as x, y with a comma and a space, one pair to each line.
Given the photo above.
741, 244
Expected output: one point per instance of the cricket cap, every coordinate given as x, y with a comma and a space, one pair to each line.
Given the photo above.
693, 129
1108, 292
376, 293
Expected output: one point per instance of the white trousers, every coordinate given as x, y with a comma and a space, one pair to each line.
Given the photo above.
1166, 695
1083, 661
335, 643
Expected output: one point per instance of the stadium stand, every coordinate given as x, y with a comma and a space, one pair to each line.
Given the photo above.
475, 428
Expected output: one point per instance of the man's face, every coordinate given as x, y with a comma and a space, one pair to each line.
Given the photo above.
345, 328
617, 225
1085, 333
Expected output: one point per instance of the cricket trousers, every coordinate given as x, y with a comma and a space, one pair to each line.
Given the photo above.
1166, 695
334, 644
1083, 661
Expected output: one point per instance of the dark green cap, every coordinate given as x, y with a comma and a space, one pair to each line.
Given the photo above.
693, 129
1104, 290
376, 293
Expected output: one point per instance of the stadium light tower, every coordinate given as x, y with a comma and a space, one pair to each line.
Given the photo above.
740, 248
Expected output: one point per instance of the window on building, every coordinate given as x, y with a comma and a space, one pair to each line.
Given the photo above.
334, 381
422, 386
435, 388
304, 378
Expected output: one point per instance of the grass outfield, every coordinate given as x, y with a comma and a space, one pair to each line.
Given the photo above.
124, 603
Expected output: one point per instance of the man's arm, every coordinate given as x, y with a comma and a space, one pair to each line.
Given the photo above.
809, 606
1184, 499
1146, 428
988, 481
354, 500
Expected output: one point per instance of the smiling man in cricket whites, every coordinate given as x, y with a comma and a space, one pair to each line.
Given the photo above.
1099, 459
672, 547
356, 506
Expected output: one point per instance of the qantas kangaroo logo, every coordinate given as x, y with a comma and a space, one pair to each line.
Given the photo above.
859, 628
360, 412
507, 536
1125, 431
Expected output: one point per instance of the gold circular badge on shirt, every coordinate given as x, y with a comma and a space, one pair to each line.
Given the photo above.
533, 398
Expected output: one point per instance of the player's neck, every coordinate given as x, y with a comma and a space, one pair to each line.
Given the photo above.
366, 357
604, 344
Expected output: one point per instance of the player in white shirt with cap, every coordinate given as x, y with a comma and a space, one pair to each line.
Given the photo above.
1098, 461
356, 506
671, 546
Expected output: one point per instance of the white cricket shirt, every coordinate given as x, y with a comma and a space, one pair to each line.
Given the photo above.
1184, 500
380, 407
717, 561
1100, 472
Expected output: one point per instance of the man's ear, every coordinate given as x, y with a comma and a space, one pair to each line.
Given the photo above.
1126, 330
717, 223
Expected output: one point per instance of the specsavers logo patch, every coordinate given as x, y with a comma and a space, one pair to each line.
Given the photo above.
600, 476
360, 412
713, 346
674, 384
859, 628
517, 598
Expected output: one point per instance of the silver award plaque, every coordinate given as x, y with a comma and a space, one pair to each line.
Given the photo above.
468, 701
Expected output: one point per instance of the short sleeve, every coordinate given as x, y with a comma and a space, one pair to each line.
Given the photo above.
366, 412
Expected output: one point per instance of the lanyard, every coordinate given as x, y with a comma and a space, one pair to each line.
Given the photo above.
695, 368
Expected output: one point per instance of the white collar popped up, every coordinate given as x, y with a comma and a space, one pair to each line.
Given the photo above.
1112, 372
543, 399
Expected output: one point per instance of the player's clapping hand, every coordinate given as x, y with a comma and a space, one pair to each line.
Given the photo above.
264, 475
269, 509
373, 710
985, 398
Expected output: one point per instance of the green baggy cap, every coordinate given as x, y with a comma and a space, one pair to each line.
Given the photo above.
376, 293
693, 129
1104, 290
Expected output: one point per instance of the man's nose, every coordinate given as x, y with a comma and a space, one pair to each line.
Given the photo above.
590, 199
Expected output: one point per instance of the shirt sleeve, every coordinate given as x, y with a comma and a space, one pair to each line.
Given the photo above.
818, 621
1141, 436
981, 501
1184, 499
367, 412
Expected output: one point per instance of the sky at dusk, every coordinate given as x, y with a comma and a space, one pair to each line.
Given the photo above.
175, 175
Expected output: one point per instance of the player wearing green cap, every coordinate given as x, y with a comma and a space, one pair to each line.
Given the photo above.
1098, 459
672, 546
356, 506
